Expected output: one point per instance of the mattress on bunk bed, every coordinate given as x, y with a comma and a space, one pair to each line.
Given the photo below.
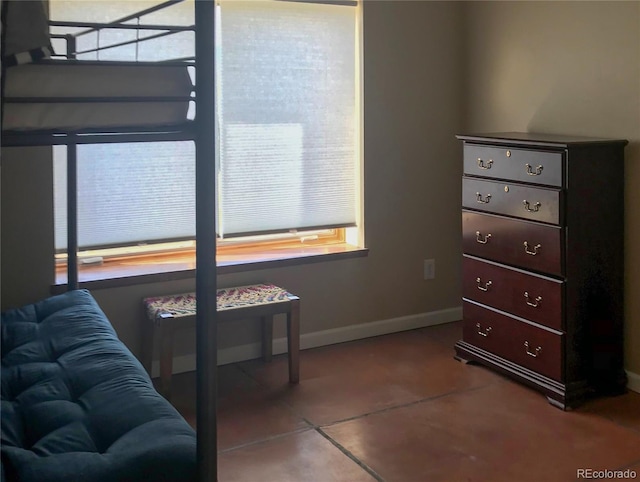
89, 95
78, 406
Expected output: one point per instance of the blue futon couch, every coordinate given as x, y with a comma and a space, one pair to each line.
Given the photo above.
78, 407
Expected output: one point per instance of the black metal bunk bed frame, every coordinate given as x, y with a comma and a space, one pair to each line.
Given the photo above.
200, 130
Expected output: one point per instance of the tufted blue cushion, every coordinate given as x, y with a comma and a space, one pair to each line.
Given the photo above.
78, 406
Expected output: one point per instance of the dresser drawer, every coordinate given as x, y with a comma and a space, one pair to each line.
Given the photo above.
523, 294
536, 167
528, 345
518, 200
520, 243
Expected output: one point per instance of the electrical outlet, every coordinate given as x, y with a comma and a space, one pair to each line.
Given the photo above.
429, 268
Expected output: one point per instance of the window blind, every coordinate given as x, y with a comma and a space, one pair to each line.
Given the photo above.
287, 137
287, 116
128, 194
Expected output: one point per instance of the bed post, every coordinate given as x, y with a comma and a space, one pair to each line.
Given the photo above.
72, 195
72, 215
206, 326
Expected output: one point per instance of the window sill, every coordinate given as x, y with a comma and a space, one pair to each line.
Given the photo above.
177, 267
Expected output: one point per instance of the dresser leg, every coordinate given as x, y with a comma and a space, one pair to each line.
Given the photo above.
462, 360
459, 355
558, 404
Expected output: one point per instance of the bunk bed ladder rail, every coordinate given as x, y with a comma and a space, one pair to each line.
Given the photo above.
206, 282
73, 281
72, 216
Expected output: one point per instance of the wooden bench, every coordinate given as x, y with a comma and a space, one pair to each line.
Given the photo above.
261, 300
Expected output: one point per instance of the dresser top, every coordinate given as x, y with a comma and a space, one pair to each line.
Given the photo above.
535, 139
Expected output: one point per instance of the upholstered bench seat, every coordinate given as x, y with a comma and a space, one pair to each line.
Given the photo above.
260, 300
77, 406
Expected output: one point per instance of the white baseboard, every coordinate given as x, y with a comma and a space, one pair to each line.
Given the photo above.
633, 381
187, 363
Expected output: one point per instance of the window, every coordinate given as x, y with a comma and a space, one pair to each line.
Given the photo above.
288, 133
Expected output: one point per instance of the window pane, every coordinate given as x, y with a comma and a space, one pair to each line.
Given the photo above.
287, 130
128, 193
287, 110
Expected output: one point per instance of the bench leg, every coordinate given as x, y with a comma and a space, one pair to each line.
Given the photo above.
147, 347
293, 341
166, 358
267, 338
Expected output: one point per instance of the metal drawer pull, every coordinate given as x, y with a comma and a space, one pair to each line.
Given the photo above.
480, 240
482, 165
486, 285
535, 249
529, 352
531, 172
535, 303
486, 331
535, 209
483, 201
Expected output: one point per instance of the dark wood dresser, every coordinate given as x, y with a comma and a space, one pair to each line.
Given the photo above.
543, 238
